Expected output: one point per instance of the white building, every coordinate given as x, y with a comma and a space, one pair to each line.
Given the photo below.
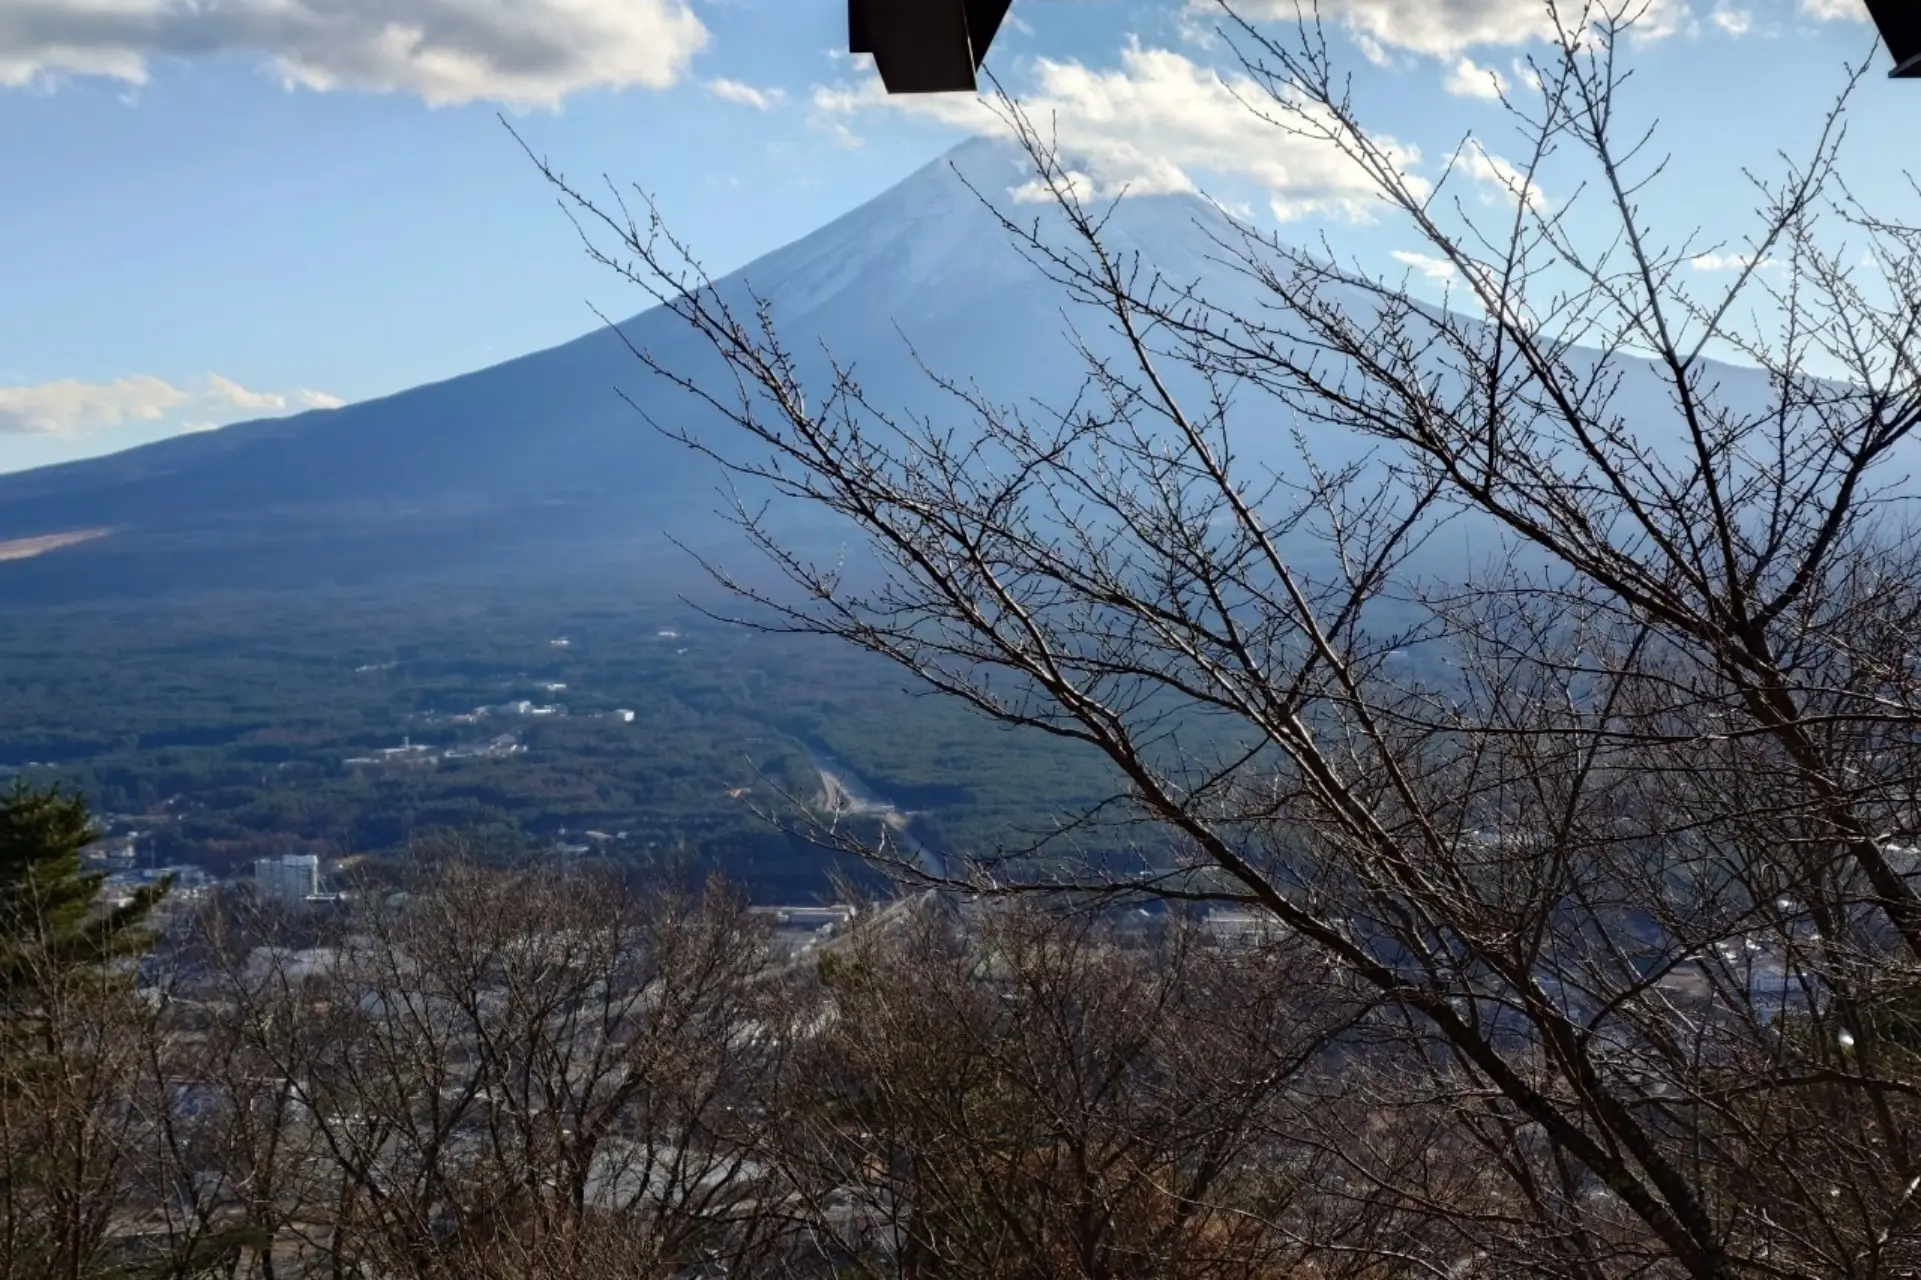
1242, 928
292, 878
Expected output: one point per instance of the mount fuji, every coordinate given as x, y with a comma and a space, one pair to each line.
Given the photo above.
540, 464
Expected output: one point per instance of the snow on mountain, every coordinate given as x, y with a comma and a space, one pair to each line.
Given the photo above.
539, 460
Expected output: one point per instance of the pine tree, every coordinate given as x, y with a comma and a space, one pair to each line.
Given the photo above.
71, 1044
50, 920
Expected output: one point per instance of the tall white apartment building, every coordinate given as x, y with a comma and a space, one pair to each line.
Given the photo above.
291, 878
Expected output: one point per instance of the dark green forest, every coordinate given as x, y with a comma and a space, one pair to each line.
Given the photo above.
221, 727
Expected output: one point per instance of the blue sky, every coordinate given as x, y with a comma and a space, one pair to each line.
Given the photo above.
213, 210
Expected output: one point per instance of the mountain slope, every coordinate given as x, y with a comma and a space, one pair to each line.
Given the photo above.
538, 465
540, 454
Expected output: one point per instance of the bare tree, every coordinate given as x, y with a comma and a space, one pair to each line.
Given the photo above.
1619, 825
69, 1138
1003, 1092
236, 1171
497, 1074
71, 1033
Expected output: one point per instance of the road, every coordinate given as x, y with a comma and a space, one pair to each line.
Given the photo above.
846, 793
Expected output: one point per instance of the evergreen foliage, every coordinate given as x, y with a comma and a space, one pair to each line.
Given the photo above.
50, 921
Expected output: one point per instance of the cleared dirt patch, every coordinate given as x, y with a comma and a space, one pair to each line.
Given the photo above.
28, 548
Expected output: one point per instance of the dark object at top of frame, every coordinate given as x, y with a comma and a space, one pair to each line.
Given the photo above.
924, 46
1900, 23
936, 46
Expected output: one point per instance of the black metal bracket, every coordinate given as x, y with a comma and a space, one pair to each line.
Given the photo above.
1899, 22
925, 46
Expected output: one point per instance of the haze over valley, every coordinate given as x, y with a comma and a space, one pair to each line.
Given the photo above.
204, 632
207, 632
1230, 641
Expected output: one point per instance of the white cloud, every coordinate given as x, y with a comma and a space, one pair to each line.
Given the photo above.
1082, 185
746, 94
1447, 28
1726, 261
1436, 270
231, 392
71, 407
1155, 125
1736, 22
1469, 79
837, 105
1829, 10
1485, 167
522, 52
1664, 18
1197, 31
